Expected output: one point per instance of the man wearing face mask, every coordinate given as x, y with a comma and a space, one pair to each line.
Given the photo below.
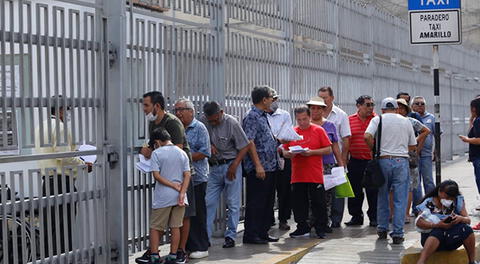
278, 119
157, 117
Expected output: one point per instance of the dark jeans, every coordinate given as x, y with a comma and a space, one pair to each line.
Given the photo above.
356, 168
283, 189
307, 196
198, 237
61, 226
259, 205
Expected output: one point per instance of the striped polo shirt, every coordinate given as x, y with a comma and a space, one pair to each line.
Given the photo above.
358, 148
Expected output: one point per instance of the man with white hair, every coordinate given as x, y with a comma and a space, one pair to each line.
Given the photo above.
397, 138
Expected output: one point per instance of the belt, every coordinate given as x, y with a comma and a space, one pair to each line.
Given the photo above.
391, 157
219, 162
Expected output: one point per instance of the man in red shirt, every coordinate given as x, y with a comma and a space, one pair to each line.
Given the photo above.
360, 154
307, 174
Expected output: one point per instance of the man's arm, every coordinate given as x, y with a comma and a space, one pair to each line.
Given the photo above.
183, 189
198, 156
163, 181
369, 140
252, 151
318, 152
231, 173
338, 155
421, 138
345, 149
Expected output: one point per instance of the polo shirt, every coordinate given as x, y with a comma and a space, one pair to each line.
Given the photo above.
358, 147
199, 141
340, 119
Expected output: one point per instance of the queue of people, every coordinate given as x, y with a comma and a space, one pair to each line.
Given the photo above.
219, 150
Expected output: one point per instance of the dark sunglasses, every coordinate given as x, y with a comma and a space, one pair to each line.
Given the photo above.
369, 104
181, 109
419, 103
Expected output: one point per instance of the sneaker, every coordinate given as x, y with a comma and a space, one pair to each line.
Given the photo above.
283, 226
171, 259
398, 240
145, 258
382, 234
300, 233
199, 254
181, 258
476, 227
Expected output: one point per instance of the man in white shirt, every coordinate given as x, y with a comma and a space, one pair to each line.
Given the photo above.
336, 115
280, 119
397, 138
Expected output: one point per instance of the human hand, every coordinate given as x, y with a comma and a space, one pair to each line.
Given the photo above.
260, 172
214, 150
306, 153
89, 166
457, 219
146, 152
288, 154
177, 186
463, 138
231, 172
181, 199
444, 225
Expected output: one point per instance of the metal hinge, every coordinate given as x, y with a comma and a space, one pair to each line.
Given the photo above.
112, 54
112, 155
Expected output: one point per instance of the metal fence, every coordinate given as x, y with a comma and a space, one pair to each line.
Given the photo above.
102, 55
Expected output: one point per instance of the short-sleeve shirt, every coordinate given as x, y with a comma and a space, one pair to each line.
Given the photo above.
174, 127
256, 127
279, 119
171, 162
474, 150
309, 169
429, 121
340, 119
358, 147
199, 141
397, 134
417, 125
332, 136
428, 204
227, 137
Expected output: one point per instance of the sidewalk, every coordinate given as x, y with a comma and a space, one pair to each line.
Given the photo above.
345, 245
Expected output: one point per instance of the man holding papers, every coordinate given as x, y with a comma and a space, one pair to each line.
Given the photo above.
307, 174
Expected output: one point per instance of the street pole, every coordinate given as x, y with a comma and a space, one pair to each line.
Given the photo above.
436, 93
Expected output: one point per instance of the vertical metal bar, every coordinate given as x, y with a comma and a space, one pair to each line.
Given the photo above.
65, 202
74, 198
3, 77
72, 62
87, 73
58, 139
23, 218
91, 100
3, 206
47, 77
31, 214
50, 225
13, 209
436, 93
56, 220
79, 87
42, 205
30, 75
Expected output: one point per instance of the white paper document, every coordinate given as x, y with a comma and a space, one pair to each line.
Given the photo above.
144, 165
336, 178
297, 149
287, 133
88, 158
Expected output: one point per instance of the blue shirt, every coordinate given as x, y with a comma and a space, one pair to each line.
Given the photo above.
429, 121
257, 128
199, 141
428, 204
332, 135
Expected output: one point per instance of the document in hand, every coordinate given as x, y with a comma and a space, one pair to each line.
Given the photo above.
89, 158
336, 178
144, 165
297, 149
287, 133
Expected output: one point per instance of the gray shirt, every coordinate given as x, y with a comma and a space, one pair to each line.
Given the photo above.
171, 162
228, 137
397, 134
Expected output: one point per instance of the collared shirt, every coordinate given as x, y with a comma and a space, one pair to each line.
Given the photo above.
257, 128
279, 119
358, 147
429, 121
227, 137
199, 141
340, 119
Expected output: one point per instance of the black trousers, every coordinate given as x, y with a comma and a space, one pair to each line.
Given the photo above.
283, 189
307, 196
52, 225
356, 168
259, 205
198, 237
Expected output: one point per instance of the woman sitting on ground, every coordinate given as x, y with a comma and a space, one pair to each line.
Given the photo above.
444, 222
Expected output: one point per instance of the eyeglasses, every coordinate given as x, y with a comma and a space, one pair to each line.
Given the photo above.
181, 109
419, 103
369, 104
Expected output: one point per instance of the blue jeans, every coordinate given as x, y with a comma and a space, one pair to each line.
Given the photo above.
396, 173
425, 170
218, 182
476, 169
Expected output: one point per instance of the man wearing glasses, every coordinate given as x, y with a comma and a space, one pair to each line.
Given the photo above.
426, 154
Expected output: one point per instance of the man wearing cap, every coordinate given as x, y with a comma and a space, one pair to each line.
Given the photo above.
279, 119
397, 139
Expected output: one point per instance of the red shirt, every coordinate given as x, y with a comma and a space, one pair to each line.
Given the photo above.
358, 147
309, 169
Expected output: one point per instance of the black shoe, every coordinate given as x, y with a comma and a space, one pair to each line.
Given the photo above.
271, 239
229, 243
321, 235
398, 240
283, 226
373, 224
328, 230
256, 241
335, 225
300, 233
382, 234
354, 222
181, 257
145, 258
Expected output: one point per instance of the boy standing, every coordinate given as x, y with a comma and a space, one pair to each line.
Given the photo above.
171, 171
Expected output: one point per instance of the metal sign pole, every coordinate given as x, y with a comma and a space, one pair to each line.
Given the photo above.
436, 93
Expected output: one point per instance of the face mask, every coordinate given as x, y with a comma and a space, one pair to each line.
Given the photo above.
151, 117
274, 106
446, 203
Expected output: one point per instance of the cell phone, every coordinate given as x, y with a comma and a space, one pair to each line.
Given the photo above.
448, 220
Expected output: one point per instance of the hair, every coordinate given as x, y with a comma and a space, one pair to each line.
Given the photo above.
211, 108
157, 98
326, 89
187, 102
403, 93
475, 103
302, 109
161, 134
418, 97
361, 100
260, 92
449, 187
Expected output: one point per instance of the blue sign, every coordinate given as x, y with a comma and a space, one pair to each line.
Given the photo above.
433, 4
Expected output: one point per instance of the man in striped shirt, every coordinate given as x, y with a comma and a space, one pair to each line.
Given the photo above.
360, 154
